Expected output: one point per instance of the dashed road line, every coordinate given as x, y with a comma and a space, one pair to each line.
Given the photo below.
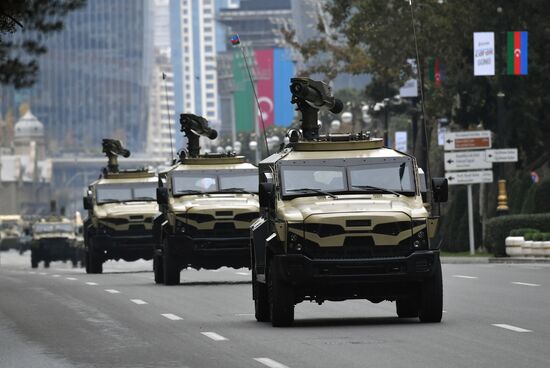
214, 336
32, 272
71, 278
112, 291
171, 316
524, 283
465, 277
56, 275
138, 301
270, 363
43, 273
510, 327
91, 283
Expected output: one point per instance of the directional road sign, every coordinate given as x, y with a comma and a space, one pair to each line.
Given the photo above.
466, 160
469, 177
502, 155
475, 139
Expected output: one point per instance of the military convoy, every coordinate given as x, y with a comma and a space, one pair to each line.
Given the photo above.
11, 232
53, 239
207, 203
121, 207
342, 217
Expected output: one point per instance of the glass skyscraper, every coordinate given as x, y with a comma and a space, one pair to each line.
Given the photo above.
93, 81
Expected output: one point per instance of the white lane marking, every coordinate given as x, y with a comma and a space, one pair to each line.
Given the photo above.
42, 273
270, 363
214, 336
524, 283
71, 278
243, 273
56, 275
511, 328
444, 311
112, 291
465, 277
32, 272
171, 316
138, 301
91, 283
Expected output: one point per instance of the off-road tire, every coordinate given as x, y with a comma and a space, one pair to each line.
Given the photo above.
34, 260
261, 300
406, 308
94, 263
46, 264
158, 268
170, 266
431, 300
281, 299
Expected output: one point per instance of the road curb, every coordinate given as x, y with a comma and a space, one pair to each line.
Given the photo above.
464, 260
519, 260
493, 260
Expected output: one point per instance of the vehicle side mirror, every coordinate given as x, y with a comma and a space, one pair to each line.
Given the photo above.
266, 192
440, 188
162, 195
87, 203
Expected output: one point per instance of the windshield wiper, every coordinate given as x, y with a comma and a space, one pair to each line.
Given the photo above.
191, 191
143, 199
313, 190
383, 190
110, 200
240, 190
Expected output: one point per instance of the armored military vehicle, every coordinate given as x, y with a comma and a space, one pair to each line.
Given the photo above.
342, 217
121, 207
53, 239
207, 204
11, 231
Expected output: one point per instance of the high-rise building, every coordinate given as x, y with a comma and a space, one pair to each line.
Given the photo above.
93, 81
193, 33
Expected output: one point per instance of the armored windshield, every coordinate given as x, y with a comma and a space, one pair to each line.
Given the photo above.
378, 176
106, 193
215, 181
52, 227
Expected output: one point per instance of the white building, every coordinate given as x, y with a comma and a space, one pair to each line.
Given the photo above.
198, 58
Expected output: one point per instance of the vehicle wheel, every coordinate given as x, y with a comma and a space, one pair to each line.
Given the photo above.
46, 264
261, 301
94, 263
34, 260
431, 300
157, 268
170, 267
281, 300
406, 308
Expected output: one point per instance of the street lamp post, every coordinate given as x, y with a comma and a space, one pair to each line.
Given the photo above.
386, 105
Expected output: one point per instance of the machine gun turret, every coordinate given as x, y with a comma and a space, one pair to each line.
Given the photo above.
112, 148
194, 126
311, 96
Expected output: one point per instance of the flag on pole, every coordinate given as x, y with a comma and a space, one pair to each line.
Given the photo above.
436, 71
235, 40
517, 53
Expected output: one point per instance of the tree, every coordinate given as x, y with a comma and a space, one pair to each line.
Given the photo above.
23, 24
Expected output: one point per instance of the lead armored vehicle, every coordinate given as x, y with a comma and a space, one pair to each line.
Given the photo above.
342, 217
121, 206
53, 239
207, 204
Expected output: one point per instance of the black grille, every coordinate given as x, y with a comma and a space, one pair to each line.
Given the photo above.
353, 223
224, 213
355, 247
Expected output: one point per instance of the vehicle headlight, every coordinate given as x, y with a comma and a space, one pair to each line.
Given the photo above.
420, 238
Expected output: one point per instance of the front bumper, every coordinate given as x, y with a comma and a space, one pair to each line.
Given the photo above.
123, 243
210, 247
302, 271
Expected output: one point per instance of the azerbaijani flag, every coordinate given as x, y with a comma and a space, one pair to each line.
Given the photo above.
436, 71
517, 53
235, 40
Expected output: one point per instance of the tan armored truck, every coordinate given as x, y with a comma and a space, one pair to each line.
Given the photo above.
53, 239
121, 206
11, 231
342, 217
207, 204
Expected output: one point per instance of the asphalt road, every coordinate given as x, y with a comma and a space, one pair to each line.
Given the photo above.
495, 316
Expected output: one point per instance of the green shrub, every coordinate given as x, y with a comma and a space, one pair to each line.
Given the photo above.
546, 236
497, 228
538, 236
529, 236
523, 231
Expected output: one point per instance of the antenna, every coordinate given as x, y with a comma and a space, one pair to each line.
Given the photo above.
419, 70
169, 120
235, 41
